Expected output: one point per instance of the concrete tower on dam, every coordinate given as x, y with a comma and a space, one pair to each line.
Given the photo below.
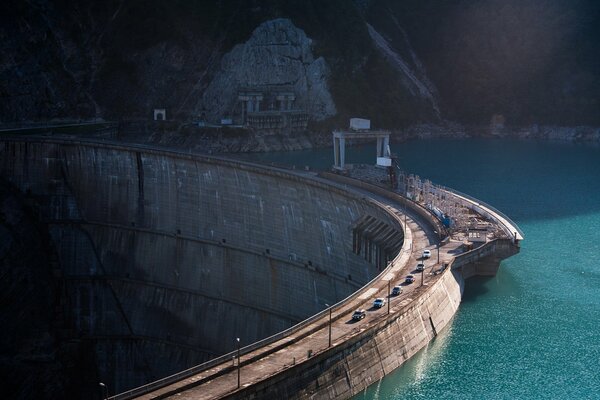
165, 259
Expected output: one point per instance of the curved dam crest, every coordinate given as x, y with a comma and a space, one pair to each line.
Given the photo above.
167, 258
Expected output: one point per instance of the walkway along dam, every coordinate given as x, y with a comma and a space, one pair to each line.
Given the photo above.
164, 259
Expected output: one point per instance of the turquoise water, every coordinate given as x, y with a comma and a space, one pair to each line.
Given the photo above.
533, 330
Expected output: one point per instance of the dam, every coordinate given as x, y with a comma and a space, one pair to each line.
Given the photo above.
167, 258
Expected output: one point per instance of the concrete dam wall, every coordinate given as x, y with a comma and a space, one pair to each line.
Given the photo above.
166, 258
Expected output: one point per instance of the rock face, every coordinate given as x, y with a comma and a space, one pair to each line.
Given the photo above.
278, 54
411, 71
396, 62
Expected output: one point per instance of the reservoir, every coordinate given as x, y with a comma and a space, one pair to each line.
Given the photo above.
533, 330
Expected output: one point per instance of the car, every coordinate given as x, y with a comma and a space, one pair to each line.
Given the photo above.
409, 279
426, 253
359, 314
420, 267
396, 290
379, 302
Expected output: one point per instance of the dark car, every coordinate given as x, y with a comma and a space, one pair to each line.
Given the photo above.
409, 279
359, 314
396, 290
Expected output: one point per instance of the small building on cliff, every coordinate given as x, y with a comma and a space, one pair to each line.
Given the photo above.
270, 109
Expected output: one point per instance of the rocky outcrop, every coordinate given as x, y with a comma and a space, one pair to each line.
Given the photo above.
278, 54
399, 63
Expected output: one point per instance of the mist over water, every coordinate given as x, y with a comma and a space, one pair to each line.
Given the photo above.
533, 330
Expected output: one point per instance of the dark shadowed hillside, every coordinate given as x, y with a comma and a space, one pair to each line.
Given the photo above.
400, 63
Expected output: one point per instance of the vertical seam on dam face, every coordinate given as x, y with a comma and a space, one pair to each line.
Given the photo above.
432, 326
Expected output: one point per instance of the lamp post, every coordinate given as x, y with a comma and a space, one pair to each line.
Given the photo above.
438, 245
328, 306
438, 248
238, 357
389, 298
104, 390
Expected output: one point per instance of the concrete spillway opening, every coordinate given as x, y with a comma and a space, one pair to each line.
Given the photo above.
159, 261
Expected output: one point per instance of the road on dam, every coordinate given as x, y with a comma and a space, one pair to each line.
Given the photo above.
222, 380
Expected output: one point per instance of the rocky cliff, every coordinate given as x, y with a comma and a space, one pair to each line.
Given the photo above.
277, 55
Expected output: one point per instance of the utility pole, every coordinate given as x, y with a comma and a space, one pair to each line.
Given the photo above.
389, 298
238, 357
104, 390
327, 305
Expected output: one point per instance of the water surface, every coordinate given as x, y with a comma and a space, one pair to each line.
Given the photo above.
533, 330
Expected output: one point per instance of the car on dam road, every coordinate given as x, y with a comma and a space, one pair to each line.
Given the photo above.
396, 290
420, 267
359, 314
409, 279
379, 302
426, 254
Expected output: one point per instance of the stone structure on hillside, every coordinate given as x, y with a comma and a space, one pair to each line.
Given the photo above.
272, 82
270, 108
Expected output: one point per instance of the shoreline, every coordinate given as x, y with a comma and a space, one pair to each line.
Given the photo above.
171, 134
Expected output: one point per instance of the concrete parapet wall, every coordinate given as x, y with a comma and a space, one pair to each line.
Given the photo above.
485, 260
363, 359
353, 364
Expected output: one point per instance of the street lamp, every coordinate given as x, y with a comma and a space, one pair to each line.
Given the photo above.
104, 390
328, 306
438, 245
389, 296
238, 357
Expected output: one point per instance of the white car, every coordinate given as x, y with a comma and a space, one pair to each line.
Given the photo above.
379, 302
420, 267
426, 253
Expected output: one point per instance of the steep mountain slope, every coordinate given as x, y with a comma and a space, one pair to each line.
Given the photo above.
396, 62
532, 61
